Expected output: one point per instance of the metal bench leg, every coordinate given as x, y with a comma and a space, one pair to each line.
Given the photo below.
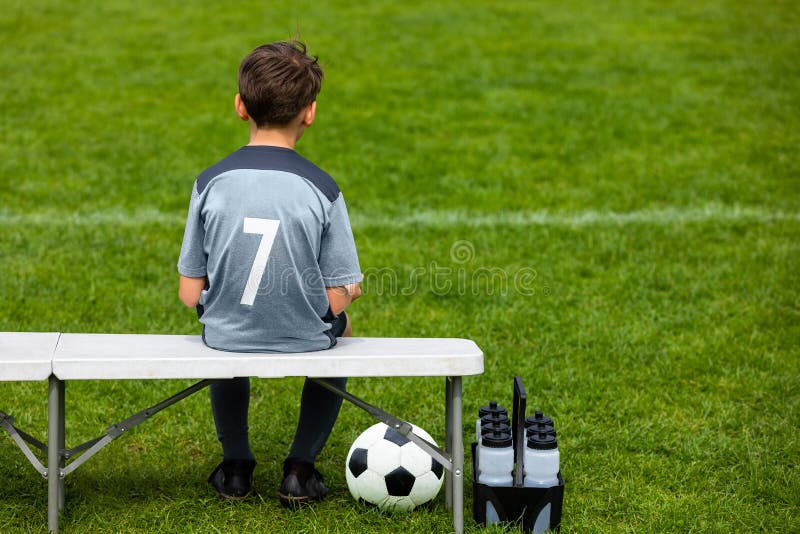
55, 447
448, 441
454, 425
62, 443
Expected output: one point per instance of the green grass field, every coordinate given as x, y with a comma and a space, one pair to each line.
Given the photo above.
627, 172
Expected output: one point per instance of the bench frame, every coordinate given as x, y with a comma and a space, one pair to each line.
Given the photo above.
451, 457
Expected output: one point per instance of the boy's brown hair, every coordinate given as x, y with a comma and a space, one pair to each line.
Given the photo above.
277, 80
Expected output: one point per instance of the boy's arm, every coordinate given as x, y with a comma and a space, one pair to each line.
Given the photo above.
340, 297
189, 290
192, 260
338, 259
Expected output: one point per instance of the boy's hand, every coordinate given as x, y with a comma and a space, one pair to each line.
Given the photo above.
190, 289
340, 297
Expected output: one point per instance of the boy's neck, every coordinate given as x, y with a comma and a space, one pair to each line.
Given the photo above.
280, 137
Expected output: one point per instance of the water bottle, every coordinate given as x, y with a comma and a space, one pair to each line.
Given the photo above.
500, 423
496, 457
491, 409
541, 465
488, 429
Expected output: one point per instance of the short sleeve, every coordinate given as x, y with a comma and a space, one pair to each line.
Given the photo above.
192, 260
338, 260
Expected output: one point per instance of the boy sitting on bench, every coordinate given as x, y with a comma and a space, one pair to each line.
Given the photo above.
268, 258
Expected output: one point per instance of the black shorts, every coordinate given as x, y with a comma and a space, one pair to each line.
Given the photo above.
338, 324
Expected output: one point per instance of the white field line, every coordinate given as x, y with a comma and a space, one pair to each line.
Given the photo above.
710, 213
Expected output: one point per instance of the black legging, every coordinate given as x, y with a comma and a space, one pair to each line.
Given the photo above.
319, 408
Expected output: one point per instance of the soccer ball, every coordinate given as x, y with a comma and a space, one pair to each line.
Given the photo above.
388, 470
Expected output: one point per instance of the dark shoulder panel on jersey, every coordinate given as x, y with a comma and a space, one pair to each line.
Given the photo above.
272, 158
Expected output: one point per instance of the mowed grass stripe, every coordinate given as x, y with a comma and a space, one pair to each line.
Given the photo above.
709, 213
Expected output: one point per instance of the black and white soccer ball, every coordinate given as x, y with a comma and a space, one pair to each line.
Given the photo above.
388, 470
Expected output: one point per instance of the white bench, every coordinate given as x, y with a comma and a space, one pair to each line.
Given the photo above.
63, 357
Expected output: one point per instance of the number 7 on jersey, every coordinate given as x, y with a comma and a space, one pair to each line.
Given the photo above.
268, 228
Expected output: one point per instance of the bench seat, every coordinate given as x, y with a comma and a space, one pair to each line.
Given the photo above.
142, 356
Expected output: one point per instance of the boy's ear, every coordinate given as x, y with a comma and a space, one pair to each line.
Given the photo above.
309, 114
241, 110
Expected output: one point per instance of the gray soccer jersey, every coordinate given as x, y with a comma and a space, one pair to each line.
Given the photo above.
270, 230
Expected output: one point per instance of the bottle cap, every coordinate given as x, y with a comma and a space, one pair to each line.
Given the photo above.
539, 417
492, 408
540, 427
497, 440
542, 441
495, 419
495, 427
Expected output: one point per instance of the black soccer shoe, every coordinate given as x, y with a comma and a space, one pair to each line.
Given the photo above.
301, 484
233, 479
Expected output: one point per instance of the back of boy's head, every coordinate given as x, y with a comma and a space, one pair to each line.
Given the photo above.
278, 80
